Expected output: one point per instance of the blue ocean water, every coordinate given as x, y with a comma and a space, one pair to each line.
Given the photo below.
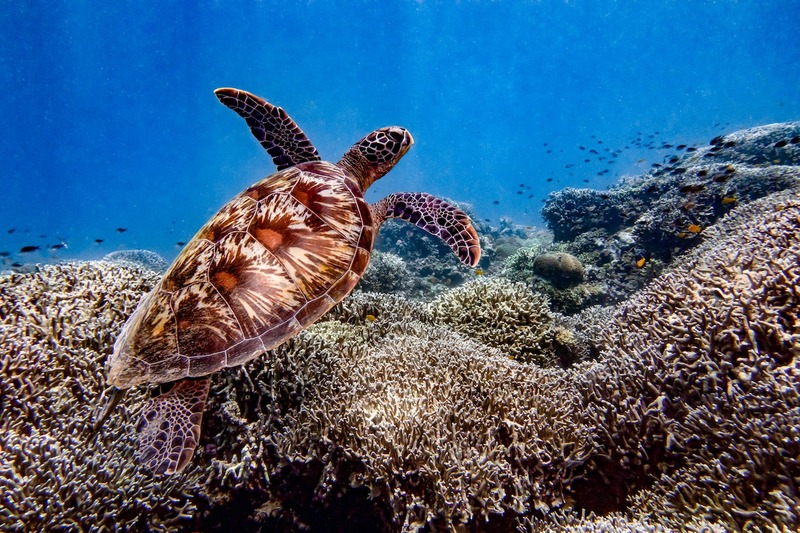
111, 122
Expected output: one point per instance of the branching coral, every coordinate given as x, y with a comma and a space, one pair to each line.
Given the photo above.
426, 430
58, 325
386, 273
712, 408
501, 314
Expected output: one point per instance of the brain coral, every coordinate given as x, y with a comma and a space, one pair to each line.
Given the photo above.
57, 327
711, 410
561, 268
501, 314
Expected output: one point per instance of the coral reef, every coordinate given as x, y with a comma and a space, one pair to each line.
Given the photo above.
566, 295
562, 269
626, 235
711, 409
679, 409
387, 272
144, 259
422, 430
58, 326
501, 314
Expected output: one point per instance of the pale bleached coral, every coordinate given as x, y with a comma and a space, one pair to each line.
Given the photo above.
699, 389
58, 325
422, 430
501, 314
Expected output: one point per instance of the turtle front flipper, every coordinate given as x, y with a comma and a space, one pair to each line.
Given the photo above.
435, 216
169, 429
272, 126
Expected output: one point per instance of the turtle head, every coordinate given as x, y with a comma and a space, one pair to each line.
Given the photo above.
376, 154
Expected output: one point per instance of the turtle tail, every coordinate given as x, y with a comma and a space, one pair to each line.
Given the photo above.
114, 398
437, 217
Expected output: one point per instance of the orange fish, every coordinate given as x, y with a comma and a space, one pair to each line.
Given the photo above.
371, 318
694, 228
728, 200
640, 263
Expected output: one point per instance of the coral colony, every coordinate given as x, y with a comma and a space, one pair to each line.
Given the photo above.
657, 390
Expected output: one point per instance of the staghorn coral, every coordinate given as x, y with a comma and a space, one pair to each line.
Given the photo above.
58, 325
711, 409
560, 522
424, 430
500, 314
141, 259
386, 273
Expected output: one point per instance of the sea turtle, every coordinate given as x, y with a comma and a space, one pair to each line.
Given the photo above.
271, 262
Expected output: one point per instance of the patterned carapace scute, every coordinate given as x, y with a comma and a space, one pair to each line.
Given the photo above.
272, 126
271, 262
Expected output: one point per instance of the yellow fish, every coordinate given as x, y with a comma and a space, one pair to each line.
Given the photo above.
371, 318
479, 272
728, 200
694, 228
640, 263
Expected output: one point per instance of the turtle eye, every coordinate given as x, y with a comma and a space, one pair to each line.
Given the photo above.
396, 135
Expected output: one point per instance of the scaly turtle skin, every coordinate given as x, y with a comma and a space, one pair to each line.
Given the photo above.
271, 262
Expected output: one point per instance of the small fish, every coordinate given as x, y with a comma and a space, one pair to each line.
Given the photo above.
121, 230
58, 246
682, 235
5, 254
716, 140
496, 202
12, 230
781, 143
549, 179
98, 241
694, 228
680, 147
691, 149
720, 178
730, 169
582, 147
692, 187
28, 249
371, 318
519, 192
728, 200
640, 263
795, 139
702, 173
479, 272
180, 243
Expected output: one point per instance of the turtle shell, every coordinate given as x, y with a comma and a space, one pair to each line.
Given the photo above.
269, 263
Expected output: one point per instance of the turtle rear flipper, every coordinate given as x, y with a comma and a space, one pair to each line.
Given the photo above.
435, 216
272, 126
169, 429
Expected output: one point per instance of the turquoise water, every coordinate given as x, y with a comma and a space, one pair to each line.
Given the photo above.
111, 121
